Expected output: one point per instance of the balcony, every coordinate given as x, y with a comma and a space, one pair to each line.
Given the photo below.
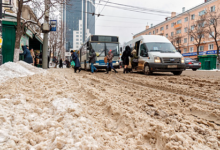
178, 26
161, 33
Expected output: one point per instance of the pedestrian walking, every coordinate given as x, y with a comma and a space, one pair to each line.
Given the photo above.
109, 60
125, 57
61, 63
76, 60
92, 60
27, 55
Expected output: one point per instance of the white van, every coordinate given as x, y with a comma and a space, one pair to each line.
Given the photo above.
156, 54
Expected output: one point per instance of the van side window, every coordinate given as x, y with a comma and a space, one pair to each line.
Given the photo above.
143, 49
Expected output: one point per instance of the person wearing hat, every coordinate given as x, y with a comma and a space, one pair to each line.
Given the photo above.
76, 60
109, 59
92, 60
27, 55
134, 58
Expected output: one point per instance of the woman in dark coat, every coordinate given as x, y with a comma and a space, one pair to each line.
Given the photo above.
27, 55
125, 57
76, 60
61, 63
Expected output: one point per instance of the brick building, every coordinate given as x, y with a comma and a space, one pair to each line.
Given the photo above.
179, 25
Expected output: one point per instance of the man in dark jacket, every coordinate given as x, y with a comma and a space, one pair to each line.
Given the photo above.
27, 55
109, 58
92, 60
76, 60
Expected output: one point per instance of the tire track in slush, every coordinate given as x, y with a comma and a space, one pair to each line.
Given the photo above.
164, 89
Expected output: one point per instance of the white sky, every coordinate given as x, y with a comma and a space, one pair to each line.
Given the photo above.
124, 27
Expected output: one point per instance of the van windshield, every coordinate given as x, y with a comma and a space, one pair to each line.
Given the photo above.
161, 47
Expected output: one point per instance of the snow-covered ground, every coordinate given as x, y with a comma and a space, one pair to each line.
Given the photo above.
64, 110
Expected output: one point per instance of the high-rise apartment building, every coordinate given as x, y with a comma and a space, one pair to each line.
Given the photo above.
78, 22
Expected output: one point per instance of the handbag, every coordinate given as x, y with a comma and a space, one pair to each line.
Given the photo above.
72, 63
135, 60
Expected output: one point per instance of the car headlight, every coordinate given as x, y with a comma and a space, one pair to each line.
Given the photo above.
157, 60
182, 60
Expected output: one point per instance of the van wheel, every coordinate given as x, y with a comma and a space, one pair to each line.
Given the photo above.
147, 70
177, 73
194, 69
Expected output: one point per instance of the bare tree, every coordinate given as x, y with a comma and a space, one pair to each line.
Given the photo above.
22, 24
176, 40
197, 32
213, 30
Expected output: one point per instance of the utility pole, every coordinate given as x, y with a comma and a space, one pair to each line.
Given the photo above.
45, 41
1, 57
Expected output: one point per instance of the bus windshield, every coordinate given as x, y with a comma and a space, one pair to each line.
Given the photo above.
114, 47
100, 48
161, 47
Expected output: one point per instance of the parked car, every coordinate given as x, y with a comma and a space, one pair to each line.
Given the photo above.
192, 64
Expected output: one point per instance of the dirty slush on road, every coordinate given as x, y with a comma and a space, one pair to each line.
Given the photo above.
62, 110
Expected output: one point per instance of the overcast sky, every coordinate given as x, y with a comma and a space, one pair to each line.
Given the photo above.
124, 27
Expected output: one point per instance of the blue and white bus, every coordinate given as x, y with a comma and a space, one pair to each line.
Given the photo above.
101, 45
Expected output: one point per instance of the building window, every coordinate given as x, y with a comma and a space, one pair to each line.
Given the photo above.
186, 19
153, 32
80, 25
178, 31
211, 35
80, 32
80, 39
77, 42
201, 48
167, 35
161, 29
192, 27
212, 8
202, 12
211, 46
185, 40
178, 41
77, 35
80, 28
179, 22
192, 39
149, 33
171, 33
184, 50
172, 24
157, 31
77, 46
77, 39
167, 26
191, 49
185, 29
192, 17
77, 32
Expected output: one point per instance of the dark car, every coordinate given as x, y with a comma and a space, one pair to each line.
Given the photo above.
192, 64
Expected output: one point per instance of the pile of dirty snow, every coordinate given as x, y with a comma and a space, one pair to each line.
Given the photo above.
20, 69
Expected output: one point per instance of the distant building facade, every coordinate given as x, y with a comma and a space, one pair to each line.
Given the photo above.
179, 25
78, 23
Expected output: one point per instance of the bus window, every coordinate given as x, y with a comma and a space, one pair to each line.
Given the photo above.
99, 48
114, 47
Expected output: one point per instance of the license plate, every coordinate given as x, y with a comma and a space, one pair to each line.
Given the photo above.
102, 64
196, 64
172, 66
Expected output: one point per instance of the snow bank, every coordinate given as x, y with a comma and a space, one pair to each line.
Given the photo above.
20, 69
60, 124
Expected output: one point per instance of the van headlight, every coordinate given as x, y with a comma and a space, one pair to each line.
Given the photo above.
182, 60
157, 60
